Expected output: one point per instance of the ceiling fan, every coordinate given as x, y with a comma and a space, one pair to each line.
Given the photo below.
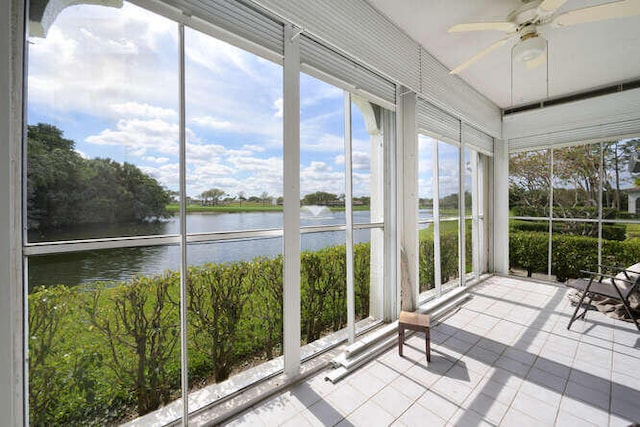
522, 26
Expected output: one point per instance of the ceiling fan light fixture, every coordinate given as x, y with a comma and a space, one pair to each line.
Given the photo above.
529, 48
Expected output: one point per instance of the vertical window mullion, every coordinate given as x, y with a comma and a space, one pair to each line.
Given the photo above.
437, 275
291, 200
461, 214
351, 326
184, 368
475, 218
550, 256
600, 183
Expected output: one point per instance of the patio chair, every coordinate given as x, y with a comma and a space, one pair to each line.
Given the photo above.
618, 287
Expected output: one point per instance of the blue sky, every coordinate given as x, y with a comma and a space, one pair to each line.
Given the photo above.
109, 79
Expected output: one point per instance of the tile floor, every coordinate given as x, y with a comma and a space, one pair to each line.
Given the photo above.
505, 358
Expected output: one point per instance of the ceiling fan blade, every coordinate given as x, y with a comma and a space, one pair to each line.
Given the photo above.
506, 27
550, 6
479, 55
535, 63
618, 9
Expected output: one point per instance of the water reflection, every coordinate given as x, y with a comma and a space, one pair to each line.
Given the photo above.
122, 264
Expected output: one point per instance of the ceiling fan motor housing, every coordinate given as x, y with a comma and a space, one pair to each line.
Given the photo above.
530, 47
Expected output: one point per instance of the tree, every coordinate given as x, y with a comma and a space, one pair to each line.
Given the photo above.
617, 156
64, 189
320, 198
529, 183
264, 197
211, 196
241, 197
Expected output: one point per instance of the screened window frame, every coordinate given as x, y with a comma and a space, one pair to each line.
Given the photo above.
550, 218
184, 238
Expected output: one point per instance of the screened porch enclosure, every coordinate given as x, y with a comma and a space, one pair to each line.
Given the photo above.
210, 202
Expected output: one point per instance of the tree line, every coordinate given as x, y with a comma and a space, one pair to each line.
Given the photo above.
65, 189
216, 196
575, 179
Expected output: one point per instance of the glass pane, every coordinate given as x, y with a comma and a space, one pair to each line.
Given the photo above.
362, 280
426, 273
323, 285
619, 242
234, 309
576, 182
322, 168
468, 207
102, 139
529, 248
468, 182
449, 186
468, 242
621, 186
234, 144
573, 251
84, 268
367, 164
529, 183
449, 251
102, 349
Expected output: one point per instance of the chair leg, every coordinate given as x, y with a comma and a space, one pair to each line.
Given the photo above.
575, 313
428, 344
586, 307
400, 339
626, 307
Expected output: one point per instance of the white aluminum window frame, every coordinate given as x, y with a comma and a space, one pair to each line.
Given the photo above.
477, 217
599, 220
290, 232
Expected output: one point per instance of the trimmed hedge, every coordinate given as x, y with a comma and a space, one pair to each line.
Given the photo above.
530, 251
111, 352
448, 258
609, 231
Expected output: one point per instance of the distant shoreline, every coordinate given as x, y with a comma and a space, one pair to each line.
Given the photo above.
246, 207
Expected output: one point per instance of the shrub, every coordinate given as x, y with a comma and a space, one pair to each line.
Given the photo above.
218, 294
139, 325
539, 226
571, 254
529, 250
98, 356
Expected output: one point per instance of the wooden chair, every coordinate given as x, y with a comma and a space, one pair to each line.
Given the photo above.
414, 322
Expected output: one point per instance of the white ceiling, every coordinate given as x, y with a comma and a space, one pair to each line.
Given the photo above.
580, 58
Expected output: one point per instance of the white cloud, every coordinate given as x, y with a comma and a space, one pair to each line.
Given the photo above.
140, 136
167, 175
319, 176
278, 104
204, 153
252, 147
95, 57
157, 160
212, 122
322, 143
314, 92
359, 160
119, 67
142, 110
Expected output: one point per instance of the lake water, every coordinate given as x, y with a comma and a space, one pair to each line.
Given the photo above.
121, 264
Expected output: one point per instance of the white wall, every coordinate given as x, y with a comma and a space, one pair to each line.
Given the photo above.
500, 208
